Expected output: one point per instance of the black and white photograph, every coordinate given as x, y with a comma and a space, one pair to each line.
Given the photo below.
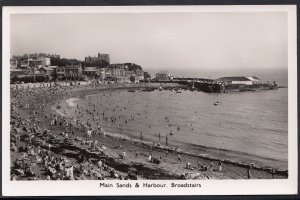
157, 99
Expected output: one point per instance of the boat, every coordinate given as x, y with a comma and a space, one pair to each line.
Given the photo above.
131, 90
160, 88
216, 103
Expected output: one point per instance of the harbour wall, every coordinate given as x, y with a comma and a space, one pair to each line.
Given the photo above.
211, 86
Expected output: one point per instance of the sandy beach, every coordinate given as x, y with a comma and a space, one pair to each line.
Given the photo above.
118, 153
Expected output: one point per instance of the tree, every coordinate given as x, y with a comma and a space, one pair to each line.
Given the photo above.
98, 63
63, 62
54, 75
147, 76
134, 67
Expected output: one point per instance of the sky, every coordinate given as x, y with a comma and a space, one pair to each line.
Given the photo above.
186, 44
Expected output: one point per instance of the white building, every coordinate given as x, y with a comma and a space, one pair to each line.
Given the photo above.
139, 75
45, 61
254, 79
236, 80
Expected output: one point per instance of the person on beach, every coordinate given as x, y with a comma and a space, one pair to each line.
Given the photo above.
103, 147
141, 135
179, 158
150, 158
249, 173
99, 164
30, 139
159, 136
166, 140
220, 166
95, 143
188, 165
211, 164
199, 166
250, 167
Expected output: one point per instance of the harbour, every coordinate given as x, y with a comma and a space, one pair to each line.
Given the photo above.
176, 99
188, 139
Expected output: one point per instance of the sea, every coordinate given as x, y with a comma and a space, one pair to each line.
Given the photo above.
247, 127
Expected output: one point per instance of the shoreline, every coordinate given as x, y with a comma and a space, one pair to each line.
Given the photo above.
176, 149
147, 146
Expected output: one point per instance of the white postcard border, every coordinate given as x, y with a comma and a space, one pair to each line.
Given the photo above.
208, 187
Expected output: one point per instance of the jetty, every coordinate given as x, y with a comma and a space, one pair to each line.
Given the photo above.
225, 84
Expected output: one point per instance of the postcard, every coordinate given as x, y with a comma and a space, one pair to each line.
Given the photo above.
149, 100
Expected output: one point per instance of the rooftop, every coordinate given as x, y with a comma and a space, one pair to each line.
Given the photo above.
234, 78
90, 69
47, 68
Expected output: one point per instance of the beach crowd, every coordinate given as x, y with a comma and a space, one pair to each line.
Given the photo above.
47, 143
36, 151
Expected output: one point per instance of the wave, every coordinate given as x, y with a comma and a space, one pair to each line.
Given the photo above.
71, 101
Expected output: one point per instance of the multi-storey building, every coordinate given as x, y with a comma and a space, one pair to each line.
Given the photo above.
73, 71
164, 76
68, 72
104, 57
13, 63
139, 75
49, 70
91, 72
36, 60
44, 61
102, 74
118, 74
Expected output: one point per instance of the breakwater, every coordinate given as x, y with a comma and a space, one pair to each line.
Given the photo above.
212, 86
203, 85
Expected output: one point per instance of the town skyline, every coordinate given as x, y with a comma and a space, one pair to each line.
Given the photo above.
279, 75
186, 44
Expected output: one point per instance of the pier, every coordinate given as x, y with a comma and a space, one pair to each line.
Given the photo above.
219, 86
200, 84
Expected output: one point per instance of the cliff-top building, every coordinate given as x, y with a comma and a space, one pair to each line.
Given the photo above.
100, 57
28, 61
163, 76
